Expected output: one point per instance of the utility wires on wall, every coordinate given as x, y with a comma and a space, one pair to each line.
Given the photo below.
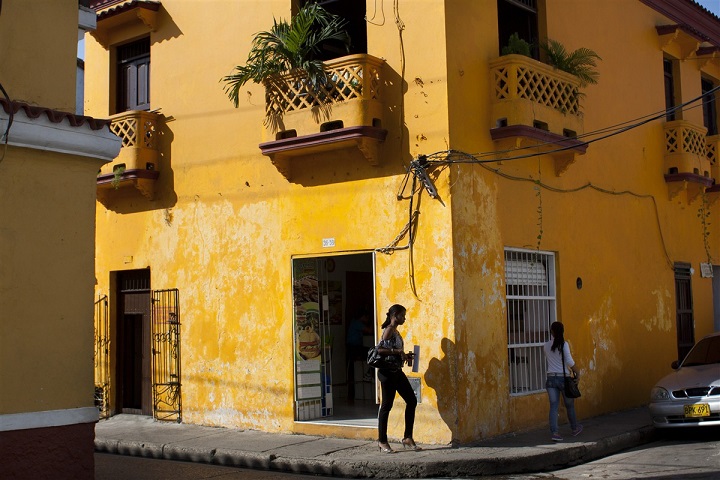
420, 169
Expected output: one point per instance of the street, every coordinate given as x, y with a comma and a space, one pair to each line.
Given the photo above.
123, 467
680, 454
688, 454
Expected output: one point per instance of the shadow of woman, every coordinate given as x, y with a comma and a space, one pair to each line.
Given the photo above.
441, 376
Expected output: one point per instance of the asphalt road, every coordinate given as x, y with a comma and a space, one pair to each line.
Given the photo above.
123, 467
687, 454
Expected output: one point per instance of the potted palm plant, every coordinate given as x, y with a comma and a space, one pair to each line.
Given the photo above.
580, 62
290, 47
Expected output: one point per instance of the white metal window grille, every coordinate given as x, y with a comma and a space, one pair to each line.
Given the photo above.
531, 308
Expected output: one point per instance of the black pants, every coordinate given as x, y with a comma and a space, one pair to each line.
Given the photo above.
392, 382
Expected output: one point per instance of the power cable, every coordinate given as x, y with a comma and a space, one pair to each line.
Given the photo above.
11, 116
630, 125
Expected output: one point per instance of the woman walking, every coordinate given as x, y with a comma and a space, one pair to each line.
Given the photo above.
557, 353
392, 380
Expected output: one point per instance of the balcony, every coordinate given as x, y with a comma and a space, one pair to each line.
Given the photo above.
137, 163
712, 146
534, 104
687, 166
346, 113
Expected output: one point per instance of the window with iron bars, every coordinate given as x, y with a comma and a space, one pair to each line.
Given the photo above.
531, 308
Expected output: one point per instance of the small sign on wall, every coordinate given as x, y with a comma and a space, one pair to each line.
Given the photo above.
706, 270
328, 242
416, 383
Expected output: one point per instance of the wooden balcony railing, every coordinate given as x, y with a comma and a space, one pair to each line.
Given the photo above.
137, 162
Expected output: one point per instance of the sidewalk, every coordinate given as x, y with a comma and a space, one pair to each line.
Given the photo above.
511, 454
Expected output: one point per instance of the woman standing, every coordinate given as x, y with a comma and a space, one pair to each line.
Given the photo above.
555, 350
392, 380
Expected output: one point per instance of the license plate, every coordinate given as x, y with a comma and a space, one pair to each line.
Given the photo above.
697, 410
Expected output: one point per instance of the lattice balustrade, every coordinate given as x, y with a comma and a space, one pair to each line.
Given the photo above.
518, 77
712, 147
136, 129
352, 77
687, 153
685, 138
137, 164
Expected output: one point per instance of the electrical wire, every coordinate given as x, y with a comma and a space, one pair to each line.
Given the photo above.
448, 157
11, 115
382, 11
614, 130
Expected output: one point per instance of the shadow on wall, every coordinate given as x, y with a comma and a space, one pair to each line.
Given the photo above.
440, 376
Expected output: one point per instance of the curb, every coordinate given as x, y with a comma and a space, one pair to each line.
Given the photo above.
468, 465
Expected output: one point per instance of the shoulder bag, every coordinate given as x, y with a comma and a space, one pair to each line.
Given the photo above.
374, 359
571, 385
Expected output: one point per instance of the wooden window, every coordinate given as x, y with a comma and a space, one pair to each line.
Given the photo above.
531, 308
710, 117
521, 17
352, 11
133, 76
669, 70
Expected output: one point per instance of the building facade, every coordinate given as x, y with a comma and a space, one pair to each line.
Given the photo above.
485, 190
49, 159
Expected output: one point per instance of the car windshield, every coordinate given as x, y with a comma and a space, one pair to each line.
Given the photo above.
705, 352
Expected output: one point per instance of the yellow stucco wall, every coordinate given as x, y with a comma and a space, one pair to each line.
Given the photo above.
46, 32
621, 324
47, 279
225, 223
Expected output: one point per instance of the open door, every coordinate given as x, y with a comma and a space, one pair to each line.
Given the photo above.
332, 295
132, 356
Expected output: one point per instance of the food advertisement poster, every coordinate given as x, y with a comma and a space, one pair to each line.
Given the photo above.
306, 295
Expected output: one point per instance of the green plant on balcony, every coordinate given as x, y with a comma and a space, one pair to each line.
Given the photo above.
117, 175
517, 46
290, 47
580, 62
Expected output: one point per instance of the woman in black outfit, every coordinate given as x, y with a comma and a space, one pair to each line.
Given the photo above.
392, 380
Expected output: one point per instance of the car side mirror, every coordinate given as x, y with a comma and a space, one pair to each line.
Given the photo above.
675, 365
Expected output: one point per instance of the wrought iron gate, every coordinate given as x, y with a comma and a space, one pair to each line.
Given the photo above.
167, 399
102, 357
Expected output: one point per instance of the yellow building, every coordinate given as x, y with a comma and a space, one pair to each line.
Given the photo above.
489, 194
49, 159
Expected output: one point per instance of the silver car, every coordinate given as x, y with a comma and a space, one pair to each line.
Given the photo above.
690, 396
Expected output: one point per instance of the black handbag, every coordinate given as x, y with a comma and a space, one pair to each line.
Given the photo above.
571, 389
376, 360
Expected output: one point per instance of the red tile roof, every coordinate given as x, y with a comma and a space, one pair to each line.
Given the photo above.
119, 6
55, 116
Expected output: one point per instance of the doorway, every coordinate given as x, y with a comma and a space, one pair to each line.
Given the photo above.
334, 319
685, 320
132, 355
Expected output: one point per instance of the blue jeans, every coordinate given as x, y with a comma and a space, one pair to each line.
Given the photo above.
555, 387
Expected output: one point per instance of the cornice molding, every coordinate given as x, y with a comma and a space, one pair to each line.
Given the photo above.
691, 16
43, 133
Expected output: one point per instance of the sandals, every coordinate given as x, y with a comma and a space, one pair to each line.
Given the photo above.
409, 444
385, 447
